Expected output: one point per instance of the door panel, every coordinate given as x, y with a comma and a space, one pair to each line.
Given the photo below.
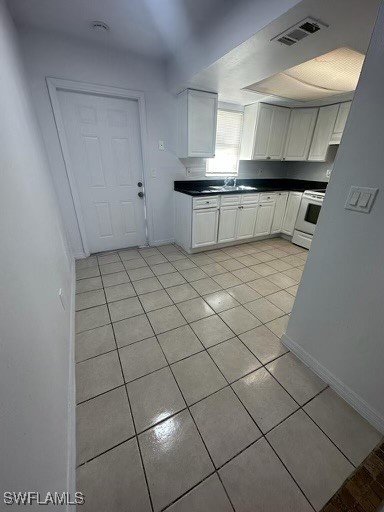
104, 143
247, 221
228, 223
293, 205
264, 219
263, 129
300, 131
204, 227
278, 216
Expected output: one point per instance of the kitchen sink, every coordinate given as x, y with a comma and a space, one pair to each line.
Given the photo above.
230, 188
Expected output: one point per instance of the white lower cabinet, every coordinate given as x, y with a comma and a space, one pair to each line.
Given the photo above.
246, 221
204, 227
291, 211
227, 224
278, 216
264, 219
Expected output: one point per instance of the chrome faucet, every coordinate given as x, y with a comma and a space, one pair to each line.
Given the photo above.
227, 181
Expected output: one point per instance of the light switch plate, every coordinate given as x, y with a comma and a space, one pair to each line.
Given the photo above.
361, 199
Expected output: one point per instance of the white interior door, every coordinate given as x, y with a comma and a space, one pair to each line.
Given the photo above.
104, 145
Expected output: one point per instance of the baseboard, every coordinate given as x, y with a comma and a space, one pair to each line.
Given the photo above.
354, 400
162, 242
71, 434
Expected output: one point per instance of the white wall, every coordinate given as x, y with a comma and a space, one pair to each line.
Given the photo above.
34, 328
337, 323
59, 57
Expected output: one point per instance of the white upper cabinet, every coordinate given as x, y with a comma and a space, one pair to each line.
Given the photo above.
341, 119
197, 121
300, 130
264, 131
323, 132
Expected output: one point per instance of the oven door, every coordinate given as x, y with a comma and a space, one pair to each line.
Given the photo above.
308, 215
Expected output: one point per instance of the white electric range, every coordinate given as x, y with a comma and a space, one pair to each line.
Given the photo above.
307, 217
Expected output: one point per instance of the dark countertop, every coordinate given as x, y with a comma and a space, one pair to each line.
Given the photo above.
200, 187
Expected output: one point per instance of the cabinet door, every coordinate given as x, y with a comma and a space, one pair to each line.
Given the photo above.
293, 205
204, 227
300, 131
228, 223
263, 129
278, 216
278, 132
246, 221
202, 121
341, 119
264, 219
323, 132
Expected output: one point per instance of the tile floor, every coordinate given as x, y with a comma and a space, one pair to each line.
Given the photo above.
186, 398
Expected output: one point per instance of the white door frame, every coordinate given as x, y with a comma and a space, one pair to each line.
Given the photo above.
58, 84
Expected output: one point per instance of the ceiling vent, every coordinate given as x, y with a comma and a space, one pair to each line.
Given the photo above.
301, 30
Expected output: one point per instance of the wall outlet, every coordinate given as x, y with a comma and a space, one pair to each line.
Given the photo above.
328, 173
161, 145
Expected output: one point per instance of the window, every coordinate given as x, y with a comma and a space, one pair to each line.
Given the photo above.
228, 137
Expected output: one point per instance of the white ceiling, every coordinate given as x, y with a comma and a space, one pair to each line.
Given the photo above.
350, 25
149, 27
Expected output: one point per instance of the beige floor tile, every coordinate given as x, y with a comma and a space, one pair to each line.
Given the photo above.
294, 273
119, 292
296, 378
209, 496
150, 284
279, 326
155, 259
232, 265
279, 265
163, 268
94, 342
141, 358
97, 375
166, 319
227, 280
256, 480
263, 269
92, 318
201, 259
267, 402
293, 260
313, 461
123, 482
263, 343
86, 273
149, 251
277, 253
112, 257
195, 309
246, 274
115, 279
132, 329
354, 436
239, 319
243, 293
263, 286
87, 285
125, 308
198, 377
86, 263
155, 300
211, 330
175, 459
140, 273
174, 279
183, 264
264, 257
101, 423
182, 292
154, 398
111, 268
225, 425
264, 310
213, 269
130, 254
283, 300
234, 359
135, 263
221, 301
248, 260
89, 299
193, 274
175, 256
205, 286
179, 343
293, 290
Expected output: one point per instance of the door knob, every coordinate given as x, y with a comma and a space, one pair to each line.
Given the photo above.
140, 194
139, 184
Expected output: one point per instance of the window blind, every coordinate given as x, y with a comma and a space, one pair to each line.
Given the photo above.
228, 137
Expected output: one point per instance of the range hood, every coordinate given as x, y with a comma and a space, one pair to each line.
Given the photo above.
333, 73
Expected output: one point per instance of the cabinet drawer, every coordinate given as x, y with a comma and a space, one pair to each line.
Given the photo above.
250, 198
230, 200
267, 197
205, 202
